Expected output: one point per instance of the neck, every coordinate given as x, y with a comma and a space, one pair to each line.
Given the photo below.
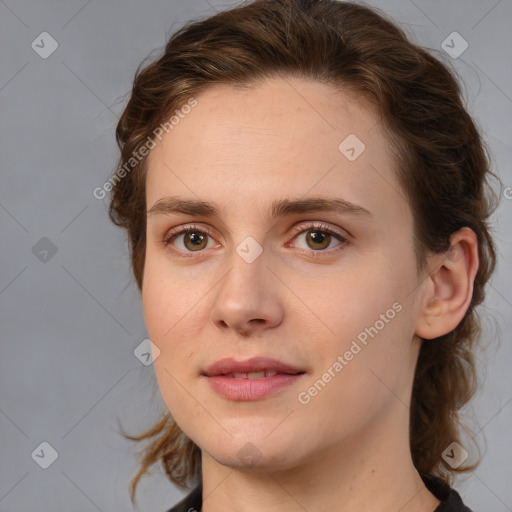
370, 471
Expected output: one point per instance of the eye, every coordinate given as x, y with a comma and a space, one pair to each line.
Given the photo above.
188, 239
316, 237
319, 237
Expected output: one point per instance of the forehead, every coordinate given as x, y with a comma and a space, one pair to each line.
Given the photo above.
281, 138
275, 115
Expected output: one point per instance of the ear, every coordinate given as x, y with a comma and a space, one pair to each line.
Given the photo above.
448, 289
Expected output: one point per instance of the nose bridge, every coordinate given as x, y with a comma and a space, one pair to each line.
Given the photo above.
245, 281
246, 298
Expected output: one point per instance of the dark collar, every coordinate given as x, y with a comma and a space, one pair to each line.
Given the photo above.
449, 497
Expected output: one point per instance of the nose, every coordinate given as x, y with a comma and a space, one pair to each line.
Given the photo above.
247, 298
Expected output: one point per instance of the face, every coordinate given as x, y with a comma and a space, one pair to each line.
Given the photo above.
303, 254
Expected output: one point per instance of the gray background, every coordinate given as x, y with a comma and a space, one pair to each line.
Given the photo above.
69, 325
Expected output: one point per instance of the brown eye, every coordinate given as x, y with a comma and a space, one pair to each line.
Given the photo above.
318, 239
195, 241
189, 239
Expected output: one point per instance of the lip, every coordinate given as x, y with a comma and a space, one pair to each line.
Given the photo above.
255, 364
220, 378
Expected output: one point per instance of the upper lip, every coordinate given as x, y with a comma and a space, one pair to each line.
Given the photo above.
229, 365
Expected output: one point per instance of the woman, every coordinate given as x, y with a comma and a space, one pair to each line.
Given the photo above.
305, 199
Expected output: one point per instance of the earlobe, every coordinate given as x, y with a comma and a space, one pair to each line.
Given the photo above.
448, 289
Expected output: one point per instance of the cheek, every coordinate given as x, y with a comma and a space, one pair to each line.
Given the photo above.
359, 375
367, 321
346, 301
169, 300
165, 313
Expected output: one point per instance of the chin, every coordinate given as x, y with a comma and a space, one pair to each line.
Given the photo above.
244, 452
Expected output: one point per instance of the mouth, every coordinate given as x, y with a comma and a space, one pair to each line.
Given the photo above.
250, 380
254, 368
255, 374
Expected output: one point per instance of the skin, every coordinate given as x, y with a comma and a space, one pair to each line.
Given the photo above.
348, 448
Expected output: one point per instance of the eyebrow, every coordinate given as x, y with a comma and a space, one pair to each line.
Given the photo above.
279, 208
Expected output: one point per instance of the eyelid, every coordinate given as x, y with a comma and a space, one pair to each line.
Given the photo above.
181, 230
319, 226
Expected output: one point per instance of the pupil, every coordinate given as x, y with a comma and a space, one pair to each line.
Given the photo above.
318, 237
195, 238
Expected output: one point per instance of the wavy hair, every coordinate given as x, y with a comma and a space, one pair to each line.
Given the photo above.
442, 165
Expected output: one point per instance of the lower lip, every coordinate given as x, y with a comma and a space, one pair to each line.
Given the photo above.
251, 389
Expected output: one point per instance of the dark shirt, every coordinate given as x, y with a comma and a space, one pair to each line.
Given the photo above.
449, 498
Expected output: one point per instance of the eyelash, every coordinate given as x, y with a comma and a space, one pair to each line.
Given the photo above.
318, 227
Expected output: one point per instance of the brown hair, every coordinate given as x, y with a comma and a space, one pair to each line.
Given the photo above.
442, 166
